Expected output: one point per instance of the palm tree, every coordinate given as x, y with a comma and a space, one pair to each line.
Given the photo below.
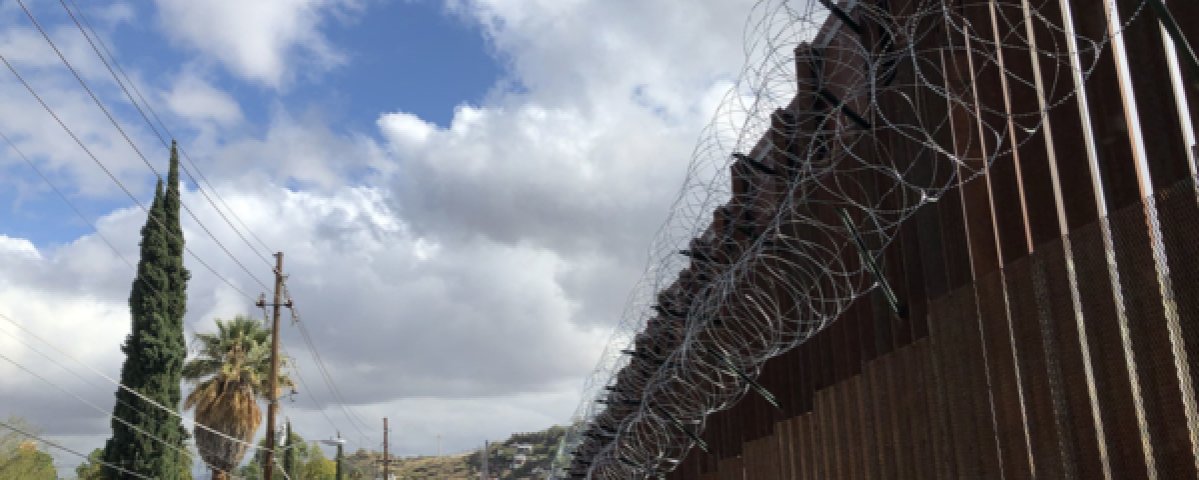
230, 374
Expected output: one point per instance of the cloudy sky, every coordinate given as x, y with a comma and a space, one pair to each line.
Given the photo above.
465, 191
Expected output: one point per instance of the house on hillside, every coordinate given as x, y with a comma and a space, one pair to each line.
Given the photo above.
521, 455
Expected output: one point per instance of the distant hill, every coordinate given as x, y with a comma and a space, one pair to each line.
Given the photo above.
504, 459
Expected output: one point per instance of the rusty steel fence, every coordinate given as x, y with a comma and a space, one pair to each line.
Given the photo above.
1074, 361
963, 246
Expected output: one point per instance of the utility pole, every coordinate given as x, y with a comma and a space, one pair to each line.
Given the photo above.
339, 442
486, 473
386, 460
273, 406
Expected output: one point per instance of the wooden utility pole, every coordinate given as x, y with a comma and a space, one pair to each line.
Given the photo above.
386, 460
273, 406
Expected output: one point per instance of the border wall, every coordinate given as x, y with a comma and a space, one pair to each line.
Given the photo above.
1043, 320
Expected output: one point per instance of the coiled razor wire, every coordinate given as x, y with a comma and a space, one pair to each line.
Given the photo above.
811, 162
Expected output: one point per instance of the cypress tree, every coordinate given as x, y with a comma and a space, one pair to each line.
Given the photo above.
155, 349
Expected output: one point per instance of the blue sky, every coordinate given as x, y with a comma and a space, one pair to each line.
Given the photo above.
388, 66
465, 190
389, 63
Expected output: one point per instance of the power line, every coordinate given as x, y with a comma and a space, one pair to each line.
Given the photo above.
295, 368
355, 421
60, 365
88, 221
117, 252
122, 386
124, 135
118, 384
75, 373
71, 451
128, 140
111, 176
86, 27
101, 410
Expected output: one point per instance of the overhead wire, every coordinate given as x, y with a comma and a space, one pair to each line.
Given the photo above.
109, 60
354, 419
74, 208
69, 450
75, 373
126, 137
295, 368
106, 241
105, 412
324, 370
142, 112
119, 255
308, 392
122, 386
108, 172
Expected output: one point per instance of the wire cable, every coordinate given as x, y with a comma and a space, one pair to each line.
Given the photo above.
93, 39
104, 238
125, 260
139, 153
103, 411
295, 369
122, 386
129, 140
127, 263
355, 421
71, 451
111, 176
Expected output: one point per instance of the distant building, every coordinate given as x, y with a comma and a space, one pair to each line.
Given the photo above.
523, 450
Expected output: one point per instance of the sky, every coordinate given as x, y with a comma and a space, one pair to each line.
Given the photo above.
464, 191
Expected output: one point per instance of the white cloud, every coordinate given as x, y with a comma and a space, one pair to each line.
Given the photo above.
39, 135
196, 100
588, 159
262, 41
297, 149
18, 247
393, 322
460, 280
406, 130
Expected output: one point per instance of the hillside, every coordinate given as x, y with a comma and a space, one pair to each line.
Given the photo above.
502, 457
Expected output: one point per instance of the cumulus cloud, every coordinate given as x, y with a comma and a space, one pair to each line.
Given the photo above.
196, 100
396, 316
586, 160
39, 135
265, 42
460, 280
296, 148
